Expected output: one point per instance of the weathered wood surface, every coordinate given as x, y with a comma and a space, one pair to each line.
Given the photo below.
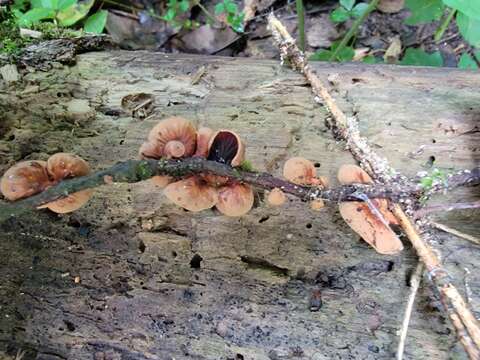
157, 282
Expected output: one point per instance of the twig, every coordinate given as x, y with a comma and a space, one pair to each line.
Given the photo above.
131, 171
353, 30
457, 233
380, 170
414, 283
443, 27
444, 208
301, 24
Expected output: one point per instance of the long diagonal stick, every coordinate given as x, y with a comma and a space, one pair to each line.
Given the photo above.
466, 325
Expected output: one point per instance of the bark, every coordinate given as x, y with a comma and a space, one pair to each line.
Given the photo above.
157, 282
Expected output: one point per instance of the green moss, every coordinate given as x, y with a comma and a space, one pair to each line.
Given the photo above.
246, 166
144, 171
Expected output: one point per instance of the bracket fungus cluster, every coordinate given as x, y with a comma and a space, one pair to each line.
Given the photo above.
28, 178
176, 138
370, 219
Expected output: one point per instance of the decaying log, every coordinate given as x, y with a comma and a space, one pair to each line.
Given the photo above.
132, 276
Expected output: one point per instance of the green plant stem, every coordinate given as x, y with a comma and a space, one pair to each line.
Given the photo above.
207, 13
301, 24
353, 30
443, 27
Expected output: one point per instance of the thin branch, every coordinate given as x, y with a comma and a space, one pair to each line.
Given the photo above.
380, 170
445, 208
138, 170
415, 284
455, 232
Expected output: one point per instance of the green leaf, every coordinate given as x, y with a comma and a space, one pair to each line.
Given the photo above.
72, 14
469, 28
36, 4
467, 62
63, 4
424, 11
230, 6
369, 59
49, 4
19, 5
35, 15
469, 7
339, 15
347, 4
359, 9
219, 8
321, 55
419, 57
170, 14
184, 5
346, 54
96, 22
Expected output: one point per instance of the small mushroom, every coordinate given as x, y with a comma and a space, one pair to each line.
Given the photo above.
276, 197
371, 227
204, 134
173, 137
24, 179
192, 193
317, 205
300, 171
63, 166
235, 199
226, 147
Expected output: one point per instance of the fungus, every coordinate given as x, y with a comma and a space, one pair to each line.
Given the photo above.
204, 135
372, 227
317, 205
192, 193
226, 147
301, 171
276, 197
32, 177
235, 199
173, 137
24, 179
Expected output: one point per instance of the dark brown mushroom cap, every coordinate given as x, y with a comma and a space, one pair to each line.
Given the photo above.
192, 193
235, 199
173, 137
370, 226
25, 179
226, 147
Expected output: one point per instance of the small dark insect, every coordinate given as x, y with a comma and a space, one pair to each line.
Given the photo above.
315, 302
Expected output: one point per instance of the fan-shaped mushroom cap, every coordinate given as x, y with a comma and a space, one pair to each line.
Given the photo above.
204, 134
300, 171
192, 194
235, 199
226, 147
63, 165
172, 137
276, 197
362, 220
161, 180
24, 179
70, 203
350, 174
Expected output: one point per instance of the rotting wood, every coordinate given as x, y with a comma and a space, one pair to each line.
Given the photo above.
132, 249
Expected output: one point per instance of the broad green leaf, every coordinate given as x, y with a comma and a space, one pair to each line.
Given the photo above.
49, 4
321, 55
220, 8
230, 7
339, 15
96, 22
467, 62
424, 11
63, 4
36, 4
421, 58
469, 7
346, 54
469, 28
19, 5
184, 5
359, 9
370, 59
35, 15
170, 14
347, 4
72, 14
